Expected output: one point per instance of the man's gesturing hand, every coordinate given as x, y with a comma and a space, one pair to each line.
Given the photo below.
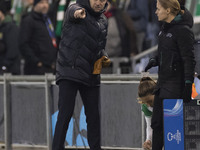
80, 13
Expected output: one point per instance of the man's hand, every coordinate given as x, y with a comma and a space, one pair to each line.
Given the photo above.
80, 13
106, 61
53, 66
101, 62
39, 64
147, 145
3, 70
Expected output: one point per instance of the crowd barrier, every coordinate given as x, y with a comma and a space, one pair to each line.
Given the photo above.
28, 112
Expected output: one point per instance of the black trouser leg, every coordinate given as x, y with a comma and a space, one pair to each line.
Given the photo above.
157, 124
90, 97
157, 142
67, 93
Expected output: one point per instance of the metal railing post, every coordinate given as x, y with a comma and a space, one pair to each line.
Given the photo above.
116, 68
193, 7
7, 113
48, 112
116, 64
143, 54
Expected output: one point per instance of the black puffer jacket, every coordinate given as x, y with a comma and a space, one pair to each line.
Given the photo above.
175, 56
35, 42
82, 43
9, 50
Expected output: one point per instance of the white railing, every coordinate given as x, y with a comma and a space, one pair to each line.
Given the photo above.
6, 79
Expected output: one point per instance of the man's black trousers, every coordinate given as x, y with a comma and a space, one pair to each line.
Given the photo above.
90, 97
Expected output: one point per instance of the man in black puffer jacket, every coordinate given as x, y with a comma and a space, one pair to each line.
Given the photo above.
80, 58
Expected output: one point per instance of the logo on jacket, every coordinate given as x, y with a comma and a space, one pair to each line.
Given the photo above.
169, 35
160, 33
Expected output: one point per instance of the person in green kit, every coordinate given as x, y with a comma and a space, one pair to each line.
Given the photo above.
146, 99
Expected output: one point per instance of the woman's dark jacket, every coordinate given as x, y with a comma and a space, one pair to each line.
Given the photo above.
35, 42
9, 50
82, 43
175, 56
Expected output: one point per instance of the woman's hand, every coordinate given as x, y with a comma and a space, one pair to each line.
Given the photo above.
147, 145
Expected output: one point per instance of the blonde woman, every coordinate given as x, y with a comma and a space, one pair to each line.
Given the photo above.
175, 61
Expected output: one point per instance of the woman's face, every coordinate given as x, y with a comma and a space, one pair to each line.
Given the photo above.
148, 100
162, 13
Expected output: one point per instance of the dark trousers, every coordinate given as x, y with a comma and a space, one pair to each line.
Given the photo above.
90, 97
157, 124
157, 117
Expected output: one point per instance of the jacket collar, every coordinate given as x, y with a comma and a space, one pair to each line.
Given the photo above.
181, 19
37, 15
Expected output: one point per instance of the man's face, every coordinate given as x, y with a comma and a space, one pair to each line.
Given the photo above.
97, 5
42, 7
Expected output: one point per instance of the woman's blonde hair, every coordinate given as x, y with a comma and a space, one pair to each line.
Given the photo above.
146, 86
174, 5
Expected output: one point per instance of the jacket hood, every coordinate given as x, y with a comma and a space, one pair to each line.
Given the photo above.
184, 19
181, 19
86, 4
187, 18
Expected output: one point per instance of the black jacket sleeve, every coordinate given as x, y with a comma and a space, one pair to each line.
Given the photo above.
70, 12
185, 43
12, 49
